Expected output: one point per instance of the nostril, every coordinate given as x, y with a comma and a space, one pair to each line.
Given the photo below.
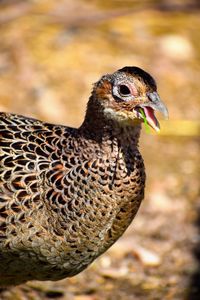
153, 96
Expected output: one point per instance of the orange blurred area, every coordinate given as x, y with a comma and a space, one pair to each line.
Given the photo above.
51, 52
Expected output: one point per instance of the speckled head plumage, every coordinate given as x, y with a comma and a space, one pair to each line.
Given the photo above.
140, 73
123, 94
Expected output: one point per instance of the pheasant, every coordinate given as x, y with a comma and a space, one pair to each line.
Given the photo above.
67, 194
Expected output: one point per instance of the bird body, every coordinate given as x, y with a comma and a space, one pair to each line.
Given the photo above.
66, 194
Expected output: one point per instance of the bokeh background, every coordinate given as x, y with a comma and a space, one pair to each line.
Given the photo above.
51, 52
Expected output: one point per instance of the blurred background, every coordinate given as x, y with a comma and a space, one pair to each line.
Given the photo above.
51, 52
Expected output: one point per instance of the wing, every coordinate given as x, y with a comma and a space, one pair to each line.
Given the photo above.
27, 147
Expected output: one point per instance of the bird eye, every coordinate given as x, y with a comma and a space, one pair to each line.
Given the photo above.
124, 90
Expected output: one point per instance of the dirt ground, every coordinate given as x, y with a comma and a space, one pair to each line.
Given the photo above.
50, 54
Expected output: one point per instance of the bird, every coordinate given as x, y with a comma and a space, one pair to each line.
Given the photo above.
67, 194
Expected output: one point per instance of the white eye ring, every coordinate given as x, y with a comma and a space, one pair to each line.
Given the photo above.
124, 90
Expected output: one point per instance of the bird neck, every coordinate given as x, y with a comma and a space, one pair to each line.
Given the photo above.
98, 127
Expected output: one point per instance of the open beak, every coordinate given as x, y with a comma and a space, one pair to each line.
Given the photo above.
148, 108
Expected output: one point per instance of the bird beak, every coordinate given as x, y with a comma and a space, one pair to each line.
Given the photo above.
153, 103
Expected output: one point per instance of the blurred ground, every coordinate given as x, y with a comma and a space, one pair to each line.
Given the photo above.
50, 54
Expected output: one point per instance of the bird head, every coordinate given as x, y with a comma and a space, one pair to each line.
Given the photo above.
129, 96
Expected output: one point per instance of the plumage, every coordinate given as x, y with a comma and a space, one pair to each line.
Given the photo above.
66, 194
